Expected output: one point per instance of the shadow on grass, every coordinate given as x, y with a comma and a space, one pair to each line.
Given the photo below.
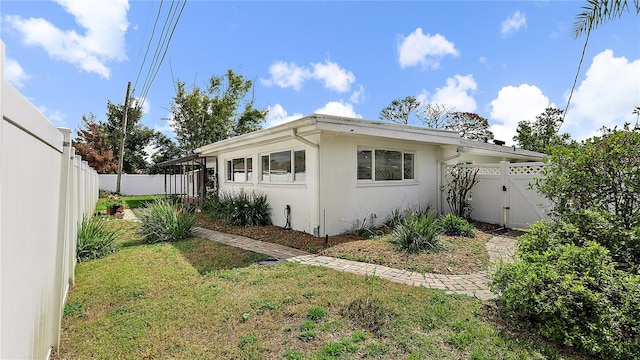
207, 256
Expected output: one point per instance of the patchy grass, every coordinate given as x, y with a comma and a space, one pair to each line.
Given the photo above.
130, 202
462, 255
196, 299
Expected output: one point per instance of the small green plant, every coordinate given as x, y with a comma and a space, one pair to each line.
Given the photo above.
240, 208
316, 313
74, 309
375, 349
162, 222
307, 325
293, 355
96, 238
247, 340
418, 233
453, 225
307, 336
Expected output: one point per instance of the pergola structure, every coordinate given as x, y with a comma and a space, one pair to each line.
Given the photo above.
190, 179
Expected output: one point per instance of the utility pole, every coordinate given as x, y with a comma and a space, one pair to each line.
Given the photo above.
125, 110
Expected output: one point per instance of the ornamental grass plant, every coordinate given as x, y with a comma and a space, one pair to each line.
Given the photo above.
163, 222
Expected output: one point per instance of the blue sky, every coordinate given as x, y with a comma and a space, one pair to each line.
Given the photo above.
505, 60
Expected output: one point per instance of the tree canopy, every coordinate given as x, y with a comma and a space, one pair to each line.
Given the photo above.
542, 134
400, 110
91, 145
470, 126
222, 110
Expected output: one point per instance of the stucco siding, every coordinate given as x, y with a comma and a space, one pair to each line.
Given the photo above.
300, 196
346, 202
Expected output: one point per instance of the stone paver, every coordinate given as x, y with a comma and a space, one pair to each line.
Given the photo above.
129, 215
476, 284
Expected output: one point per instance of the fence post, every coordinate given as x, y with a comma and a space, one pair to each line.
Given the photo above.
63, 240
504, 177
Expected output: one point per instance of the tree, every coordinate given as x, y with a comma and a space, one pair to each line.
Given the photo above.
138, 138
542, 134
222, 110
165, 149
601, 173
92, 146
435, 115
470, 126
399, 111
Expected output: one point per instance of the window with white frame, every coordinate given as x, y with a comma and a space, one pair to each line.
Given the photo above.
240, 170
385, 165
284, 166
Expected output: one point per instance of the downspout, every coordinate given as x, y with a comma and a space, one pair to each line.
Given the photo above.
294, 133
459, 151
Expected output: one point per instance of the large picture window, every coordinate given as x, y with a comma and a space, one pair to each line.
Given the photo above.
284, 167
385, 165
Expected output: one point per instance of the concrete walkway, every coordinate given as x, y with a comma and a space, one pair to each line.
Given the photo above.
475, 284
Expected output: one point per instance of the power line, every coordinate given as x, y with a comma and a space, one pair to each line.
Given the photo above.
161, 49
153, 31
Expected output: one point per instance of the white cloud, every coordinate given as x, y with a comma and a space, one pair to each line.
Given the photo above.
358, 95
456, 93
278, 115
14, 73
286, 75
513, 24
334, 77
483, 59
338, 108
146, 105
606, 97
515, 104
105, 24
426, 50
56, 117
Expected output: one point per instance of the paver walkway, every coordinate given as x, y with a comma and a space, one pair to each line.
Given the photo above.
476, 284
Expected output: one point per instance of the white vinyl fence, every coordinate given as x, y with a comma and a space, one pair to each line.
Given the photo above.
45, 189
503, 195
142, 184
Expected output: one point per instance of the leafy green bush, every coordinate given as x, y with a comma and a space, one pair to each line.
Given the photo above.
454, 225
96, 238
569, 288
418, 233
240, 208
163, 222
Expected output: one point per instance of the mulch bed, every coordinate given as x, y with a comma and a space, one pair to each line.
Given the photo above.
463, 256
277, 235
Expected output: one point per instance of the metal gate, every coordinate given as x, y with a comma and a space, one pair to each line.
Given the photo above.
503, 195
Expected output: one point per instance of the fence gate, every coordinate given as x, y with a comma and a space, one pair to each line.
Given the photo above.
502, 196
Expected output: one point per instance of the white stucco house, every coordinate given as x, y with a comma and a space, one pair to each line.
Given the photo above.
334, 172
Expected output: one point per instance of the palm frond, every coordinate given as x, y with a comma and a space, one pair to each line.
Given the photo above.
597, 12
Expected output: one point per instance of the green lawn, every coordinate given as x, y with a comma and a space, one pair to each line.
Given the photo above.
131, 202
196, 299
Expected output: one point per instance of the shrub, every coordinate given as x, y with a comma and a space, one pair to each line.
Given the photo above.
162, 222
569, 288
418, 233
398, 215
96, 238
240, 208
454, 225
459, 180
